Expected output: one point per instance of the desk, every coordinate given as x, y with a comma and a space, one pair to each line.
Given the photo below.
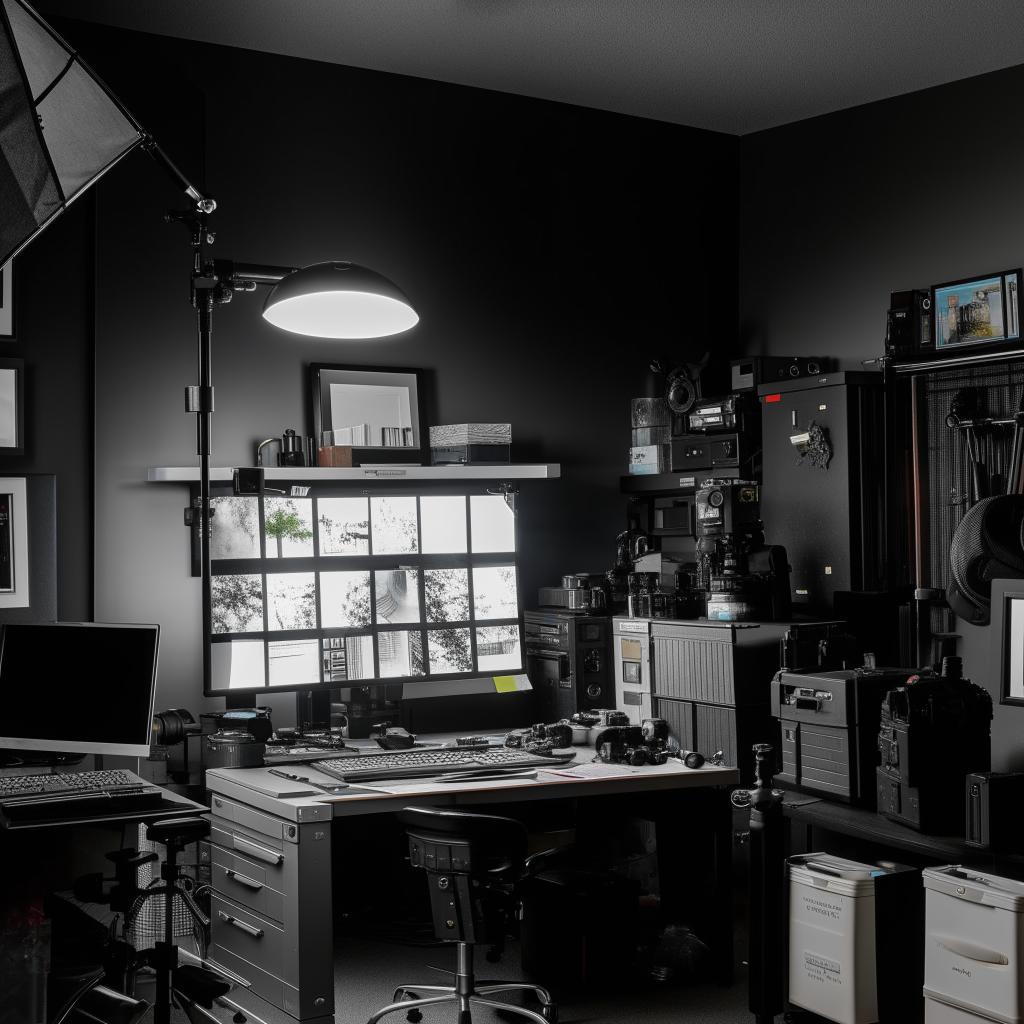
270, 855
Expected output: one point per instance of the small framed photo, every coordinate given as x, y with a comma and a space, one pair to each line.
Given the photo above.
12, 411
977, 311
374, 409
7, 300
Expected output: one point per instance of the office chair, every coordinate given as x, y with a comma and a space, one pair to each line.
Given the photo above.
474, 863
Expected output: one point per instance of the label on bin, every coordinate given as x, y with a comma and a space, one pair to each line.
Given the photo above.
821, 969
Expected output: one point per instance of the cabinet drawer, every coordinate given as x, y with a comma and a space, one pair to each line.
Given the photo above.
245, 882
272, 860
251, 936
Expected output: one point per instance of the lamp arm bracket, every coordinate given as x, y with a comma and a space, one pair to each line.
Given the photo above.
203, 204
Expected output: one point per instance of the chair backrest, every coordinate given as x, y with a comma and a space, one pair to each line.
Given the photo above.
491, 846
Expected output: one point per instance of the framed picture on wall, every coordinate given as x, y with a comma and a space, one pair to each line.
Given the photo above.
12, 412
7, 300
376, 410
14, 569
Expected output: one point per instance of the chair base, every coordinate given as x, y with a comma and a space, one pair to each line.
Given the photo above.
467, 993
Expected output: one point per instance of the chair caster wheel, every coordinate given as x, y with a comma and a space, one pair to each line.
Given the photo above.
550, 1013
414, 1016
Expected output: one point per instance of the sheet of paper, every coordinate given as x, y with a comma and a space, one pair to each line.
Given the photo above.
596, 770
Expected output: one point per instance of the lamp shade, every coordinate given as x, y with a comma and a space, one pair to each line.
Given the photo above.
339, 300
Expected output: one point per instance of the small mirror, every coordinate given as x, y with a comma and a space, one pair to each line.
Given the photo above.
344, 599
236, 604
493, 524
235, 528
374, 408
449, 650
400, 653
237, 664
294, 662
291, 601
288, 526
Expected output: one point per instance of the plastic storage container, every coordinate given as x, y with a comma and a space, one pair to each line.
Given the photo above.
832, 937
936, 1012
974, 941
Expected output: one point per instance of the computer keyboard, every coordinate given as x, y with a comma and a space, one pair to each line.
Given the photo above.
74, 794
411, 764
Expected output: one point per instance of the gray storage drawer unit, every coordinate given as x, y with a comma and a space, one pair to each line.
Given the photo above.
728, 663
271, 921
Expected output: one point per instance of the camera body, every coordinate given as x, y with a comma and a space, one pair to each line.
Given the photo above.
636, 745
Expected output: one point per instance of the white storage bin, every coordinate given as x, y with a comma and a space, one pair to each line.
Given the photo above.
832, 937
942, 1013
974, 927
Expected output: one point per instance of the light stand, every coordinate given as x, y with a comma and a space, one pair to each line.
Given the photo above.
332, 300
213, 283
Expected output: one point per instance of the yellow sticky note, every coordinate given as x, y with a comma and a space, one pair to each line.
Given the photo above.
506, 684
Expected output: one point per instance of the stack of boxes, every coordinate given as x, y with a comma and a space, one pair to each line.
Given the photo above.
651, 448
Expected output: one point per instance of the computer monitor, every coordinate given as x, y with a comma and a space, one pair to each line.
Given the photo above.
78, 687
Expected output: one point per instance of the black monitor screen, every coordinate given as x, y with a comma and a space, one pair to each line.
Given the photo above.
78, 687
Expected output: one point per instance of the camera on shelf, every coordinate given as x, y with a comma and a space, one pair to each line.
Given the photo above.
743, 579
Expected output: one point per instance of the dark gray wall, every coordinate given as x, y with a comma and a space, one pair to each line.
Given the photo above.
53, 283
839, 211
548, 250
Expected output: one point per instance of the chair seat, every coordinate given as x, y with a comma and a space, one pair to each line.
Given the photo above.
179, 831
498, 844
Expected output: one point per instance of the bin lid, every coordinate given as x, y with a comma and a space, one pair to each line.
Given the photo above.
835, 874
976, 886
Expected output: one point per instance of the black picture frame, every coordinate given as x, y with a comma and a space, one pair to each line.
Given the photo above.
323, 375
1005, 593
7, 300
34, 597
12, 406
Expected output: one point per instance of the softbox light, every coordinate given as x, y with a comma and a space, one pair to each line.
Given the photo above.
60, 127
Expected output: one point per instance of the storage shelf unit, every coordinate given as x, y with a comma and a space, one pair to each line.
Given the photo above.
314, 474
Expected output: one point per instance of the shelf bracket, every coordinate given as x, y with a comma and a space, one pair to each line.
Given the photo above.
508, 491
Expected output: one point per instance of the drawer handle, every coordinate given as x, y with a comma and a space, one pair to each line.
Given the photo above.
242, 926
267, 856
249, 883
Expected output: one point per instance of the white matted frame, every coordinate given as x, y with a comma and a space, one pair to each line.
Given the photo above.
7, 300
12, 405
14, 567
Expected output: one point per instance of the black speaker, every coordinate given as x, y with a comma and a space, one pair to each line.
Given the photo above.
993, 811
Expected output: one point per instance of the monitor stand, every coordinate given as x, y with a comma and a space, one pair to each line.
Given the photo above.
239, 701
10, 758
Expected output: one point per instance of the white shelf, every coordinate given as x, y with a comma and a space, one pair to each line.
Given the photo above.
314, 474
